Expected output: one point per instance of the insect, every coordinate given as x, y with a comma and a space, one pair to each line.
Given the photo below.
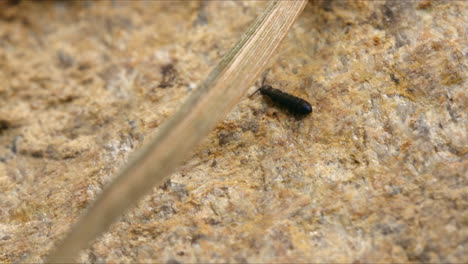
295, 105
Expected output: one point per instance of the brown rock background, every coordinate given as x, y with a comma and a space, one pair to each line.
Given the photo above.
376, 173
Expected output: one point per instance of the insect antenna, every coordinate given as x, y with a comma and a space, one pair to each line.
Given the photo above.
264, 79
262, 85
256, 91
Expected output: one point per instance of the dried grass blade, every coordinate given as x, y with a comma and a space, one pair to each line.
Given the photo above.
221, 90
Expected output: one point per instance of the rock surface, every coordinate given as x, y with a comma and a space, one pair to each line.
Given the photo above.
377, 173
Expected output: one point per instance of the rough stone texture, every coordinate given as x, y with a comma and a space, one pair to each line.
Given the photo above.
378, 172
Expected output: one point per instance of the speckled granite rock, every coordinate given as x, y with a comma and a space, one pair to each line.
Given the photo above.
378, 173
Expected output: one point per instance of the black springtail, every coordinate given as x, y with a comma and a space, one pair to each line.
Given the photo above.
294, 104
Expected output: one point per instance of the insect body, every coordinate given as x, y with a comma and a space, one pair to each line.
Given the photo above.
294, 104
